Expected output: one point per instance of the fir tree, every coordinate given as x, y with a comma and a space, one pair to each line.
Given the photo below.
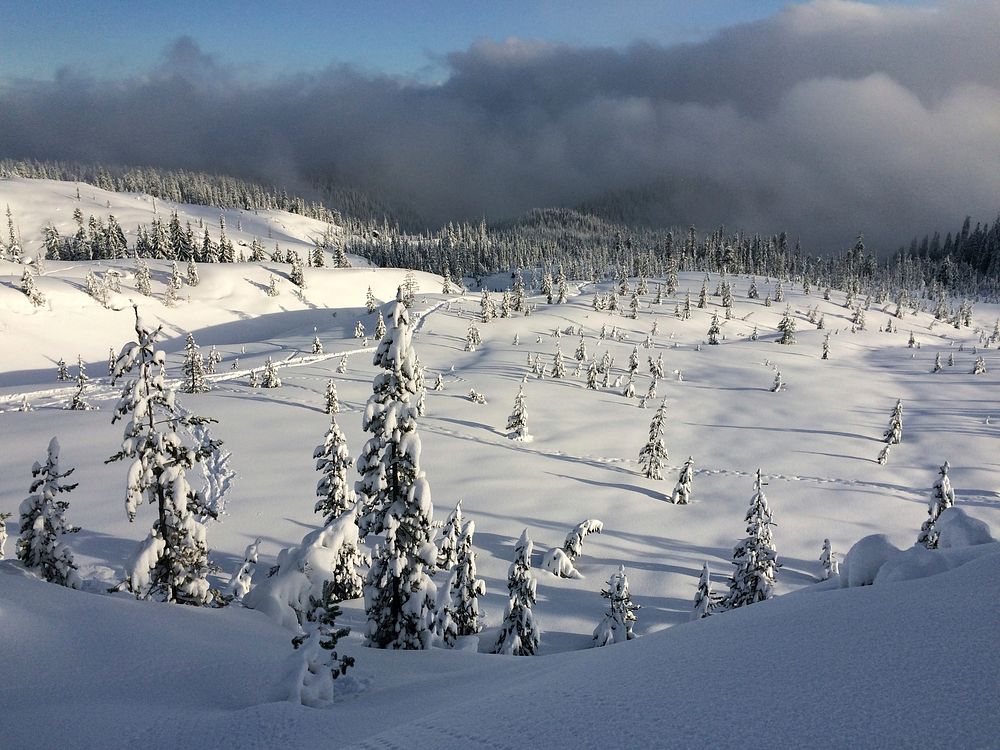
143, 282
332, 403
333, 461
682, 491
370, 304
704, 599
321, 664
193, 368
450, 537
342, 364
894, 435
654, 453
459, 615
30, 290
472, 338
62, 372
573, 543
558, 364
979, 368
593, 370
619, 620
270, 378
517, 422
937, 363
242, 580
519, 635
755, 556
192, 279
214, 359
787, 328
379, 327
828, 559
778, 384
713, 330
3, 533
359, 330
317, 346
173, 560
272, 287
43, 525
297, 274
826, 347
395, 499
562, 288
78, 402
942, 498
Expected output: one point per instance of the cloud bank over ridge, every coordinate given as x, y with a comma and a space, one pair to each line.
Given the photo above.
829, 118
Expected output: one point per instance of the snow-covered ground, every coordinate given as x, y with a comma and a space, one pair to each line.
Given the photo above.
903, 663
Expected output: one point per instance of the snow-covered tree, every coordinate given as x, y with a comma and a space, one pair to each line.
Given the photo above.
654, 454
787, 327
558, 364
270, 378
894, 435
317, 346
370, 304
173, 559
395, 498
214, 360
704, 598
379, 327
562, 288
342, 364
359, 330
517, 422
619, 620
714, 330
459, 614
942, 498
438, 383
828, 558
333, 461
3, 533
593, 370
30, 289
581, 351
43, 525
573, 543
755, 556
682, 491
321, 664
519, 635
78, 402
450, 537
332, 404
937, 363
297, 274
193, 368
979, 368
242, 580
192, 279
778, 384
62, 371
143, 282
472, 338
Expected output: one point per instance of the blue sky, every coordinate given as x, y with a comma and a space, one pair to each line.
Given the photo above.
111, 39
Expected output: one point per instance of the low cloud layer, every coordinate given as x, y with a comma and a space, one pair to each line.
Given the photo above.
828, 119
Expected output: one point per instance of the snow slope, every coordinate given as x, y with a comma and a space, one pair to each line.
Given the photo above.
829, 666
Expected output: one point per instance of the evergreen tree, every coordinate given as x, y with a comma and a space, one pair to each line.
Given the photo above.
3, 533
342, 364
558, 364
450, 537
826, 347
581, 351
778, 384
321, 664
682, 491
654, 453
979, 368
519, 635
317, 346
297, 274
517, 422
755, 556
379, 327
619, 620
143, 282
370, 304
193, 368
193, 279
472, 338
332, 403
942, 498
894, 435
214, 360
78, 402
242, 580
31, 291
333, 461
395, 498
270, 378
562, 288
359, 330
787, 328
713, 330
828, 558
573, 543
43, 525
62, 372
173, 560
704, 599
272, 287
459, 615
937, 363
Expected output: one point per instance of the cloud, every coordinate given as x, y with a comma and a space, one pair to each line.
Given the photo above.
827, 119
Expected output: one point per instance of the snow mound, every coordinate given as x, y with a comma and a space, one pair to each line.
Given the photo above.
865, 559
956, 528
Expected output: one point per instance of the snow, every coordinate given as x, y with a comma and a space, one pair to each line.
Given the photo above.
844, 666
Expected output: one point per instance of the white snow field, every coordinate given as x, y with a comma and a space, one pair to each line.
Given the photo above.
910, 661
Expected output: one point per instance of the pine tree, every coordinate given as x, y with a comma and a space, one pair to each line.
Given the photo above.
321, 664
787, 327
78, 402
942, 498
192, 279
713, 330
828, 558
193, 368
317, 346
297, 274
214, 360
332, 403
704, 599
573, 543
379, 327
270, 378
894, 435
450, 537
581, 351
682, 491
654, 453
459, 615
562, 288
359, 330
370, 304
517, 422
31, 291
778, 384
242, 580
173, 560
979, 368
619, 620
755, 556
472, 338
937, 363
272, 287
43, 524
333, 461
143, 282
703, 294
826, 347
519, 635
62, 372
395, 498
3, 533
593, 370
342, 364
438, 383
